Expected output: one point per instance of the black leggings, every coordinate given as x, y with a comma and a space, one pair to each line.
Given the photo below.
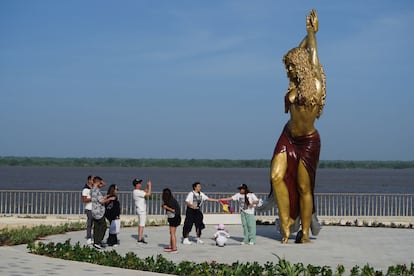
193, 216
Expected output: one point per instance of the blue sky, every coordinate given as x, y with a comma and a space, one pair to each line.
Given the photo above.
199, 79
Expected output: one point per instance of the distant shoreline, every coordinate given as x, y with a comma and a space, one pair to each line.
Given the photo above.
188, 163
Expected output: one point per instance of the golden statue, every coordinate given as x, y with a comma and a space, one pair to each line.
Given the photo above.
296, 154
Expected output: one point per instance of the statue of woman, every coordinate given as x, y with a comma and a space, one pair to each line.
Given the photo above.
296, 154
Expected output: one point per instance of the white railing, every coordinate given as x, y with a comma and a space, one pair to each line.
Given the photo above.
338, 205
36, 202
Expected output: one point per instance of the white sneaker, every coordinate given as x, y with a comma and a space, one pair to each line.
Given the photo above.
251, 243
89, 241
187, 241
199, 241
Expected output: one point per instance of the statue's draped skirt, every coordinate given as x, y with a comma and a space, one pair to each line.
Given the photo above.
305, 148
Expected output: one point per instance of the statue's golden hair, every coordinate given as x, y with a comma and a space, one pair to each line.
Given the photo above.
307, 92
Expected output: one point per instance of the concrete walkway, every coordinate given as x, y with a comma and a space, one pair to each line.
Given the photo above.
350, 246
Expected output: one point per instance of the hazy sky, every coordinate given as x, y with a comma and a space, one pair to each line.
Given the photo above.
199, 79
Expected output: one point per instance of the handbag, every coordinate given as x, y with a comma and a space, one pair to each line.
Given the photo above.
170, 214
115, 226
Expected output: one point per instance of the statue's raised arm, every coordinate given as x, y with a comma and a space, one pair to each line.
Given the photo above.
312, 26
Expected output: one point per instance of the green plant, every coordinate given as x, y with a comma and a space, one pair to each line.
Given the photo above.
340, 269
400, 270
355, 271
285, 268
160, 264
30, 234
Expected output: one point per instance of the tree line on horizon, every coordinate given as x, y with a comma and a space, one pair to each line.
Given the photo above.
188, 163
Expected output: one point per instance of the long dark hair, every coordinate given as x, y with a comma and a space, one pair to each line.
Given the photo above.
246, 199
111, 189
166, 195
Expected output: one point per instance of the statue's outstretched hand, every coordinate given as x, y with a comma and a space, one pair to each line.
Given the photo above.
312, 21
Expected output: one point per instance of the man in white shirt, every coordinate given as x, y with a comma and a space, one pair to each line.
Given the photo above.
86, 199
193, 214
141, 206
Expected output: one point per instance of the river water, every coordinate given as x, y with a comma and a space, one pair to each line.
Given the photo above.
399, 181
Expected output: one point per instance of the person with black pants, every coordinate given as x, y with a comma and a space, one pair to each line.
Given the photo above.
98, 211
193, 214
112, 212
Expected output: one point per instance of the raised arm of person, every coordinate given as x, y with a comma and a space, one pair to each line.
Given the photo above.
212, 199
226, 198
207, 198
106, 199
148, 188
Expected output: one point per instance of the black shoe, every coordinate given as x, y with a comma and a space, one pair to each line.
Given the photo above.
299, 236
142, 241
97, 246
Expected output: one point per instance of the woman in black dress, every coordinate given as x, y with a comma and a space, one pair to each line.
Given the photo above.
173, 209
112, 212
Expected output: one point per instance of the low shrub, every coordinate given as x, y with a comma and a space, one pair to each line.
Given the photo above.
160, 264
25, 234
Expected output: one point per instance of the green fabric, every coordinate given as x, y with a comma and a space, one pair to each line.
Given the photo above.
249, 227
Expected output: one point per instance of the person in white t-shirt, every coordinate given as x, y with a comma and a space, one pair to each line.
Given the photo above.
87, 202
247, 203
193, 214
141, 205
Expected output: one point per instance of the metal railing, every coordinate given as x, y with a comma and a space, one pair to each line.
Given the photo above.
381, 205
36, 202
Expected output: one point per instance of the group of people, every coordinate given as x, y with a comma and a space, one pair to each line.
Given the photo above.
292, 172
247, 202
194, 217
99, 207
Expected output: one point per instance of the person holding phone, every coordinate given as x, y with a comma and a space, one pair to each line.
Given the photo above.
141, 206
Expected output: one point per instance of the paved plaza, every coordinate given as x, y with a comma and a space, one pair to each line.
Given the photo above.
350, 246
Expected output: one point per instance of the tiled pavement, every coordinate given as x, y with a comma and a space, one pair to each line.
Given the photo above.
350, 246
